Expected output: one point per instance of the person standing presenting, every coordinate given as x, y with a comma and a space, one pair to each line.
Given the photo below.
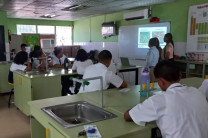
168, 50
152, 57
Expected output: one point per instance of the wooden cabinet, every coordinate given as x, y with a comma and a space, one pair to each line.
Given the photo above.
70, 51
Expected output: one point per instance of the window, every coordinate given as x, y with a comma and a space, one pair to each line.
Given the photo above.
42, 29
26, 29
63, 35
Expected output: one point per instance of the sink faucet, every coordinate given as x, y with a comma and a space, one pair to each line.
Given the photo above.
84, 82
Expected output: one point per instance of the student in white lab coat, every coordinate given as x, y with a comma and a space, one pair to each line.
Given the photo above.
204, 88
18, 64
101, 69
58, 58
180, 112
80, 64
38, 58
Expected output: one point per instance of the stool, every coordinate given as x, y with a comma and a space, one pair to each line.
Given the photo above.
10, 95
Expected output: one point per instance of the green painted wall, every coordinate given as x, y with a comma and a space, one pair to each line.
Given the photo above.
176, 13
3, 21
13, 22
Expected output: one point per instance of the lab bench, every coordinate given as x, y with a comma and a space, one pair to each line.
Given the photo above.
115, 101
115, 127
192, 68
30, 86
4, 72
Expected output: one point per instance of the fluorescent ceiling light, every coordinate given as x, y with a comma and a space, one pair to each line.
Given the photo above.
48, 15
73, 7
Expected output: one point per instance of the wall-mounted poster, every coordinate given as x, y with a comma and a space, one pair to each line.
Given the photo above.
31, 39
197, 34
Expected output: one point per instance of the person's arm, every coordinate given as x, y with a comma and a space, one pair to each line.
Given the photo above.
167, 55
149, 58
127, 116
146, 111
169, 51
28, 68
74, 66
58, 66
123, 85
115, 80
43, 60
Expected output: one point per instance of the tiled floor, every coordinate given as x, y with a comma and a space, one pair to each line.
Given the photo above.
13, 123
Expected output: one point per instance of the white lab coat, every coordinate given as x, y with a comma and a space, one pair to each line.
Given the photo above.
204, 88
180, 112
100, 70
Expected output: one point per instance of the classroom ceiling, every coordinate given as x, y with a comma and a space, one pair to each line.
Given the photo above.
70, 10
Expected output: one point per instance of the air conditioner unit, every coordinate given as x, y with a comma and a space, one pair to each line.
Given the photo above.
141, 14
47, 43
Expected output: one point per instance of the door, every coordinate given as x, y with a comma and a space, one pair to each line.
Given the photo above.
2, 44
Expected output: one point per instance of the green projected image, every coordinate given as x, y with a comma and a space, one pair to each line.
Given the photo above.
159, 35
144, 37
145, 33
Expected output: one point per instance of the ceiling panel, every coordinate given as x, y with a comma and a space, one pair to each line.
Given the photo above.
36, 8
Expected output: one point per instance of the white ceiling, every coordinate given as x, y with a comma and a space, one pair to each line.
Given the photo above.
33, 9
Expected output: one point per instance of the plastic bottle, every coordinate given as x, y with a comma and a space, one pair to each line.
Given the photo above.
66, 64
145, 79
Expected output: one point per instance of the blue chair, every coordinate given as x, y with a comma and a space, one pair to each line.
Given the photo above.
10, 82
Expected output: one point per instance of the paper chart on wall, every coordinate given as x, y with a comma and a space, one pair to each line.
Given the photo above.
197, 34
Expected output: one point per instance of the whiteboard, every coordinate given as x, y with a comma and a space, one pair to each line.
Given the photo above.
128, 40
197, 34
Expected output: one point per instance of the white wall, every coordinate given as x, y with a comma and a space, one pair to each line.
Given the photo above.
179, 49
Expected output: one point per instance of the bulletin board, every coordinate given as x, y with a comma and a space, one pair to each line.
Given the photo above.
197, 31
31, 39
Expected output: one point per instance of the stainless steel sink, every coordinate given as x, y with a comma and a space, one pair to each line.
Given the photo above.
77, 113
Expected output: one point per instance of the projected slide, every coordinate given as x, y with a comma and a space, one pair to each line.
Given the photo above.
145, 33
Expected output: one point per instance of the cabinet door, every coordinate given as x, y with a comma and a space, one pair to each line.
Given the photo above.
74, 50
52, 132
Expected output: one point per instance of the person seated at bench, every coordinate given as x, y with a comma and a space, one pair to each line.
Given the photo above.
58, 58
101, 69
38, 58
18, 64
180, 111
80, 64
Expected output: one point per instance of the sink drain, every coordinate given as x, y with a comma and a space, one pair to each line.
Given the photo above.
75, 121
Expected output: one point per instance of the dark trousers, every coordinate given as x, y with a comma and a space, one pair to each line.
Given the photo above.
78, 85
66, 83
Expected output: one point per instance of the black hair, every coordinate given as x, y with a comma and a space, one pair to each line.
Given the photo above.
105, 55
23, 45
12, 50
169, 38
21, 58
154, 42
167, 70
36, 48
57, 50
36, 52
81, 55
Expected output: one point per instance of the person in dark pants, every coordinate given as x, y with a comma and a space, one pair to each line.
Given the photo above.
80, 64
